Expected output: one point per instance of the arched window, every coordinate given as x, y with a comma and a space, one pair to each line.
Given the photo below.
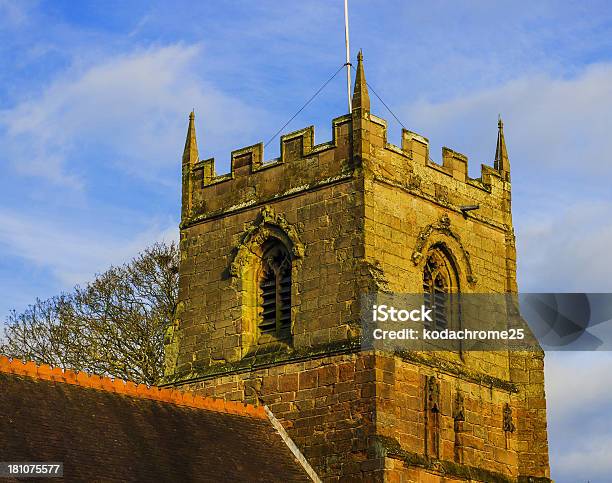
439, 282
275, 291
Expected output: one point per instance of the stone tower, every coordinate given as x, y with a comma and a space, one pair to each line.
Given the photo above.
274, 258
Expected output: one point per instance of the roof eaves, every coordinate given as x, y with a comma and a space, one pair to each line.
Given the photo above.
127, 388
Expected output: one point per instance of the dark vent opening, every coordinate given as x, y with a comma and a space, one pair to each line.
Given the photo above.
275, 291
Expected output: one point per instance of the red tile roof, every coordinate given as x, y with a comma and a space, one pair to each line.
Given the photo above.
45, 372
104, 429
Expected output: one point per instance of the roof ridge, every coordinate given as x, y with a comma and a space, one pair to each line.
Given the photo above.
127, 388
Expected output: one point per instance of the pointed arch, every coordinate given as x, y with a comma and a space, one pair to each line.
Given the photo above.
441, 235
440, 284
263, 271
268, 225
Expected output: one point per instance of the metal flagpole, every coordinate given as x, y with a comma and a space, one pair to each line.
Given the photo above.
348, 56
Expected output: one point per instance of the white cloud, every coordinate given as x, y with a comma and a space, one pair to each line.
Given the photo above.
74, 255
549, 122
12, 13
576, 381
593, 453
580, 421
567, 250
131, 108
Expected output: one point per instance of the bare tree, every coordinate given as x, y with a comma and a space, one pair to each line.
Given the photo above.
114, 326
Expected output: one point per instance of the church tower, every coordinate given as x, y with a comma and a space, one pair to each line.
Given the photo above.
275, 257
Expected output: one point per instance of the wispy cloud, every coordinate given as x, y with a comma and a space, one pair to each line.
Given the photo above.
72, 255
12, 13
550, 122
577, 237
127, 112
580, 422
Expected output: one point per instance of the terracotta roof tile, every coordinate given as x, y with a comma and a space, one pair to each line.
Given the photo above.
111, 430
45, 372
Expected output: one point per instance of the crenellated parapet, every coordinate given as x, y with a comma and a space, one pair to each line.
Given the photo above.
359, 140
302, 165
410, 168
245, 161
454, 164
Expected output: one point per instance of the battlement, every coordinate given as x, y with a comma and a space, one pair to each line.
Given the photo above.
359, 140
294, 147
302, 165
415, 148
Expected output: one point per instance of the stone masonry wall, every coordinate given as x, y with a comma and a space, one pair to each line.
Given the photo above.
327, 405
361, 417
471, 419
306, 193
411, 204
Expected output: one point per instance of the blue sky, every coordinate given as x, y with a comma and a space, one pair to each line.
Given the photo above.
94, 98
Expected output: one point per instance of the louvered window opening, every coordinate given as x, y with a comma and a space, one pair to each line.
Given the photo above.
275, 292
437, 285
